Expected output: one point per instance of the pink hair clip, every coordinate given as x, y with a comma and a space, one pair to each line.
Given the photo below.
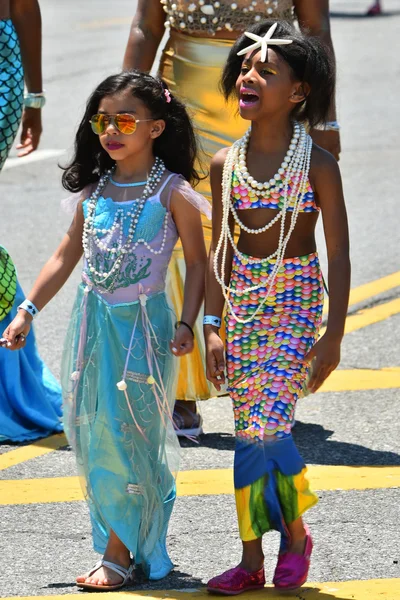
167, 94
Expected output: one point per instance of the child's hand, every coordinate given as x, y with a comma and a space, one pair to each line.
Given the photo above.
215, 359
14, 337
326, 355
183, 342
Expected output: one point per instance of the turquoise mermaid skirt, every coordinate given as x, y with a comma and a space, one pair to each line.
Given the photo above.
11, 87
30, 397
125, 445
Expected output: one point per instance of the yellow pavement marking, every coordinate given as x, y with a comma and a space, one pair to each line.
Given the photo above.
371, 589
369, 316
347, 380
211, 482
342, 380
39, 448
370, 289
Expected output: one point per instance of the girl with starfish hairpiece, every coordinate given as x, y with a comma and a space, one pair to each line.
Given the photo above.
272, 184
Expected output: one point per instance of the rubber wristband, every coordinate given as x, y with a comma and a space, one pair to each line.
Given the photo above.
29, 307
211, 320
179, 323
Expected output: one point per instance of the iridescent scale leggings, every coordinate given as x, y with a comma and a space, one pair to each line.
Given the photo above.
11, 87
266, 375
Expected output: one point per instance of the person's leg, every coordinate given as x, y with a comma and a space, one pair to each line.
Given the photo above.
187, 420
298, 536
116, 553
252, 556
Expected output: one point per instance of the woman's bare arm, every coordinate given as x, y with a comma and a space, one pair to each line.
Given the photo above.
26, 17
313, 18
147, 30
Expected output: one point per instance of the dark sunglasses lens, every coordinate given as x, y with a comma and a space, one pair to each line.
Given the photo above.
126, 124
98, 123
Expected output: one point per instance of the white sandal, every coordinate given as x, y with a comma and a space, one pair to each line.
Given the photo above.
196, 428
126, 574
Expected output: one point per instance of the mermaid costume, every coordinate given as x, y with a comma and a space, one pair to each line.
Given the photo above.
11, 87
118, 376
30, 397
266, 375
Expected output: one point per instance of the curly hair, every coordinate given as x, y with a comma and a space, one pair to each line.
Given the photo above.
176, 146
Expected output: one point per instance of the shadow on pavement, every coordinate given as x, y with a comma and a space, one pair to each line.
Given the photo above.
314, 445
176, 580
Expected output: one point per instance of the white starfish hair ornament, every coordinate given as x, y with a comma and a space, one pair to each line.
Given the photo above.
263, 42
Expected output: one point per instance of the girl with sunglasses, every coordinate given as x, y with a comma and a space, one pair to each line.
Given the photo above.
134, 158
273, 183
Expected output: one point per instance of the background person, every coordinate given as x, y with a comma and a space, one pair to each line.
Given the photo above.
30, 397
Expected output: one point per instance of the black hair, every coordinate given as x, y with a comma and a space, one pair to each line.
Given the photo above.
176, 146
307, 57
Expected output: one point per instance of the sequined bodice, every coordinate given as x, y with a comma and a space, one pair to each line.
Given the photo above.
210, 16
143, 269
243, 198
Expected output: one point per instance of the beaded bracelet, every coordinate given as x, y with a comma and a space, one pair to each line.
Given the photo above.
211, 320
29, 307
179, 323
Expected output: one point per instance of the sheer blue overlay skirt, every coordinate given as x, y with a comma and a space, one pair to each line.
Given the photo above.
126, 450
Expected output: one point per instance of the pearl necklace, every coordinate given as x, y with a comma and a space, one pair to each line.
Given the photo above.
90, 233
297, 169
243, 174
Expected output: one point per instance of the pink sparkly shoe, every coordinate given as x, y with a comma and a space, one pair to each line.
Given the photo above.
236, 581
292, 569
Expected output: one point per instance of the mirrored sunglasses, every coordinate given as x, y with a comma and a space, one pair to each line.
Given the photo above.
124, 122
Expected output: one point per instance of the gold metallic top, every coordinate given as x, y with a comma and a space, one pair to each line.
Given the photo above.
209, 16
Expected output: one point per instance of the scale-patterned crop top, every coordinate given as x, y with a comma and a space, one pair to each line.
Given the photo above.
244, 198
210, 16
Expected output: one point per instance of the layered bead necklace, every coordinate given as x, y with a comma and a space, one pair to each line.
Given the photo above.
294, 170
91, 235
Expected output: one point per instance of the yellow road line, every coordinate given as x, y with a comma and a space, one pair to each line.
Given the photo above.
369, 316
372, 288
347, 380
371, 589
39, 448
342, 380
213, 482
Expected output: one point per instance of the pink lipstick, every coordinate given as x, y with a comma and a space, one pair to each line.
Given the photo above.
248, 97
112, 146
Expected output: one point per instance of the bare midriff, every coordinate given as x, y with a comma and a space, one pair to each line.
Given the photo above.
266, 243
222, 19
4, 10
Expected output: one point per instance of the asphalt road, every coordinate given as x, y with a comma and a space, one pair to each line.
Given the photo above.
43, 545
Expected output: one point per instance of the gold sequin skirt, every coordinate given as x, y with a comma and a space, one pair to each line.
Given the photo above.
192, 68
